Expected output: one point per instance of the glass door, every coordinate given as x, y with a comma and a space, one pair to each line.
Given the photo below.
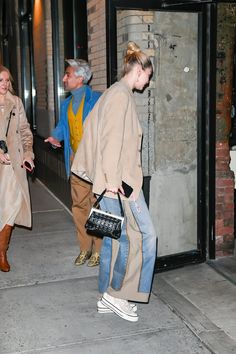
173, 117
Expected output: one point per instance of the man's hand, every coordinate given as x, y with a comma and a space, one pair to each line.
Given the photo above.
55, 143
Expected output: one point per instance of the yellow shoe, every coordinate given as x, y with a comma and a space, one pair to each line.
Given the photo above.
82, 257
94, 260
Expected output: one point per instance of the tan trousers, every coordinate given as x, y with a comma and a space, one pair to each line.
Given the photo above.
82, 201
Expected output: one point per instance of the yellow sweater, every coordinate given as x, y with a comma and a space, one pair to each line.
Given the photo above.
75, 125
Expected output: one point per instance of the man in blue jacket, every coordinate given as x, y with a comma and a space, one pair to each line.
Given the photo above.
73, 113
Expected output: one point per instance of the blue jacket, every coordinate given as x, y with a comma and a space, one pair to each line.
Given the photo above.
61, 131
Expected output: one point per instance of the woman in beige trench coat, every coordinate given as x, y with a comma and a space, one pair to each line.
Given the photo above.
16, 155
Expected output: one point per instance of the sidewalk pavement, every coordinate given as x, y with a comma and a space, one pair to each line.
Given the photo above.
48, 305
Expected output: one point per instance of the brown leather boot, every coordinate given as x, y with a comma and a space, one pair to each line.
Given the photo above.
5, 235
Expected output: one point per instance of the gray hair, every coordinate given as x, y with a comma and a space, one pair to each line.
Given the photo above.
81, 68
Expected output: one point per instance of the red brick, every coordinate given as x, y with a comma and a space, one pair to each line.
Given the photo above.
219, 223
225, 230
229, 198
219, 241
229, 238
224, 182
219, 199
229, 190
229, 206
224, 253
228, 232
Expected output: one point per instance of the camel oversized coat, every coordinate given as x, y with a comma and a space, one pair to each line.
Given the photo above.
110, 150
19, 142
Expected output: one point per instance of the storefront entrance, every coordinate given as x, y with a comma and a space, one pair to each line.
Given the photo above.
176, 119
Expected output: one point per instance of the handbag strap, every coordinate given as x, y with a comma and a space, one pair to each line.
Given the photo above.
95, 205
8, 124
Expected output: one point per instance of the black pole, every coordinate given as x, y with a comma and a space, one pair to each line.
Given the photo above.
212, 17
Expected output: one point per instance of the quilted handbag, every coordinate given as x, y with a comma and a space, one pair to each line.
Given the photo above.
101, 223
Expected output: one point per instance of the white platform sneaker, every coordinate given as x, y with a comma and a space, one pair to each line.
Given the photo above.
120, 307
104, 309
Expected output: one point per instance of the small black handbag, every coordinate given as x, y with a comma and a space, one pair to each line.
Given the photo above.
101, 223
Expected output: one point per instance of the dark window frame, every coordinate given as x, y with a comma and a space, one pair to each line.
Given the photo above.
75, 40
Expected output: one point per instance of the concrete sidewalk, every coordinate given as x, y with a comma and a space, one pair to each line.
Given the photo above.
49, 306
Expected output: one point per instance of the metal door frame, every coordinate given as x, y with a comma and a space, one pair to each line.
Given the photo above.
25, 18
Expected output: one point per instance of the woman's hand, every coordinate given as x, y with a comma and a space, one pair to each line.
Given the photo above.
5, 159
115, 190
28, 164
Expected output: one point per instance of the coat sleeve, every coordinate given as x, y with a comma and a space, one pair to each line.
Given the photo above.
112, 137
58, 131
25, 133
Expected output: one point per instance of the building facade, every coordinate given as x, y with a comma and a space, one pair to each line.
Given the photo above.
185, 113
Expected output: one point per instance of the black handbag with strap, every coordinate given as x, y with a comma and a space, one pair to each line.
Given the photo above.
101, 223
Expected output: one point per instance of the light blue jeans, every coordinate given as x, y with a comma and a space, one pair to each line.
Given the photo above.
149, 245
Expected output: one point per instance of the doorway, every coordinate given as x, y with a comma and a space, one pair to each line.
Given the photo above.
174, 114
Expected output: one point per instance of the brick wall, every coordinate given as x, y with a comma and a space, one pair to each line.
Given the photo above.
224, 224
97, 43
131, 26
137, 26
224, 201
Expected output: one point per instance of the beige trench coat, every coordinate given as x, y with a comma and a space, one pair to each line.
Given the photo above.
110, 150
19, 143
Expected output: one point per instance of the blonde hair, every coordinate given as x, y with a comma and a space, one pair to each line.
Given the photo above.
3, 68
135, 56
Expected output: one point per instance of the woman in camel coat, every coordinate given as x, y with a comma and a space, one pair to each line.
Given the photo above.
109, 154
16, 155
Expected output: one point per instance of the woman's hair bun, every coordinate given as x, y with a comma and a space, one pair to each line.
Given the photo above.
132, 48
135, 56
